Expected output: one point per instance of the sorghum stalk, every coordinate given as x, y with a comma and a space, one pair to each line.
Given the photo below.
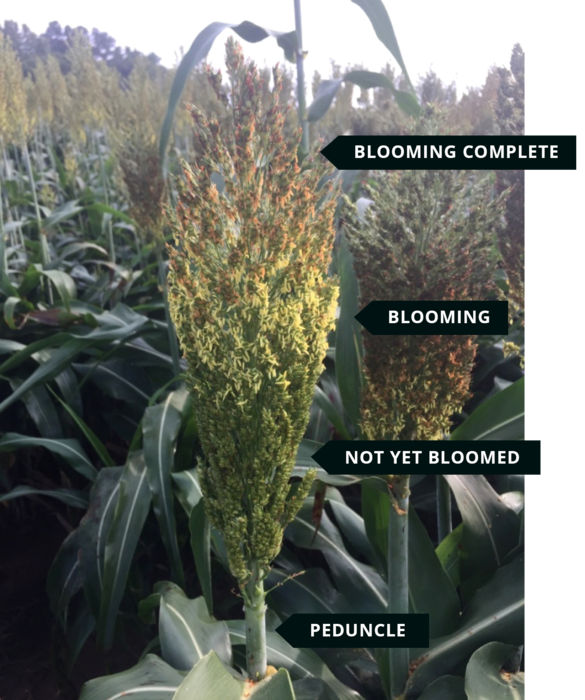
302, 105
252, 302
398, 485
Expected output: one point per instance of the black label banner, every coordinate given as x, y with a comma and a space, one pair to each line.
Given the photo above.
430, 457
374, 630
452, 152
435, 317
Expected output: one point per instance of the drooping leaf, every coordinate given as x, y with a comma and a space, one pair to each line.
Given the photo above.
71, 497
187, 631
151, 679
492, 673
382, 25
69, 449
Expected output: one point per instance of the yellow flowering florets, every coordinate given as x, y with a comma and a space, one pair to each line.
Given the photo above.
252, 303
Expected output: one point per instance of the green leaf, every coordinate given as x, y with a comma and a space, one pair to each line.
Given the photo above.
65, 577
72, 497
187, 489
324, 95
309, 591
187, 631
65, 211
92, 533
348, 351
60, 358
352, 577
449, 552
200, 530
10, 305
445, 688
198, 51
495, 613
490, 527
301, 663
304, 462
151, 679
64, 285
132, 508
69, 449
488, 673
375, 510
368, 79
382, 25
99, 447
324, 402
40, 408
501, 417
430, 589
120, 379
160, 427
210, 679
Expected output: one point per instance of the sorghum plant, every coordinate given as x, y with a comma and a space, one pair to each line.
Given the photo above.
426, 236
252, 303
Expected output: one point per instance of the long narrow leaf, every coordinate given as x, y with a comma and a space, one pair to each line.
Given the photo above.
160, 427
131, 511
69, 449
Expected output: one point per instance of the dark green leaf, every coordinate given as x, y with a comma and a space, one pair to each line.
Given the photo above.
70, 450
445, 688
501, 417
490, 527
72, 497
348, 351
132, 508
160, 427
495, 613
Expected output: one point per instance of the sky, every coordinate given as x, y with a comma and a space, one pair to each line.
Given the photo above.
452, 38
459, 41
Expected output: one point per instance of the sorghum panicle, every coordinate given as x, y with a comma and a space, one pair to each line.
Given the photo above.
252, 303
426, 236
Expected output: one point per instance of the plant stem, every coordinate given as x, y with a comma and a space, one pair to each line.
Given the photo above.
302, 105
398, 574
444, 524
255, 614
